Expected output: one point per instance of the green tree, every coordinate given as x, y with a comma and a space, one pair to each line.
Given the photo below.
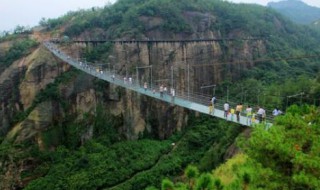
191, 172
289, 149
167, 184
205, 182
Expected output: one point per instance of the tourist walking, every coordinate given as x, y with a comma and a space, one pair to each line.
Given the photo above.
238, 111
210, 107
249, 115
165, 90
161, 91
173, 93
232, 112
253, 118
226, 109
213, 101
261, 114
276, 112
145, 86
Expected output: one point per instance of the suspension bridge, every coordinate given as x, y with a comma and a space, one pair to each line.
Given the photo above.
190, 101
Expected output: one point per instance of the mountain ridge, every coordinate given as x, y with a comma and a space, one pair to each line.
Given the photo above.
297, 11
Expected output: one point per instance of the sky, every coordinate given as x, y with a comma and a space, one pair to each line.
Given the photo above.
315, 3
30, 12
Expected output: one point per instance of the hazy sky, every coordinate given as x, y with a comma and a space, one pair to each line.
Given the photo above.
265, 2
29, 12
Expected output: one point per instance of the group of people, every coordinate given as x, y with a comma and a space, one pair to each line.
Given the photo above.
163, 90
250, 115
127, 80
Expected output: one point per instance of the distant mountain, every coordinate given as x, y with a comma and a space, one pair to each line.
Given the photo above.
297, 11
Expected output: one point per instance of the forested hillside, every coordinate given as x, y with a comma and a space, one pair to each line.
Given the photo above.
64, 129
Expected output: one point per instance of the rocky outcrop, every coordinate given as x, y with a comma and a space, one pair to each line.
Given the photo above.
203, 62
44, 116
42, 69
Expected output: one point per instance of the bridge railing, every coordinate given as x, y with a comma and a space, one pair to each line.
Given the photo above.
205, 100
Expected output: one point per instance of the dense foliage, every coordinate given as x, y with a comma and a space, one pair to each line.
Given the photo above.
280, 94
285, 156
122, 165
18, 49
96, 165
291, 147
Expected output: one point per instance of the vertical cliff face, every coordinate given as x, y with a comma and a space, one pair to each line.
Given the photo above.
42, 69
186, 65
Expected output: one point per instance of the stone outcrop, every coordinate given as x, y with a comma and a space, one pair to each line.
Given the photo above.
204, 62
42, 69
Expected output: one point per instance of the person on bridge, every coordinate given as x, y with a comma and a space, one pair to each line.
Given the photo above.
261, 114
210, 107
253, 118
161, 90
226, 109
249, 115
213, 101
173, 93
165, 90
113, 77
232, 112
145, 86
276, 112
238, 111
